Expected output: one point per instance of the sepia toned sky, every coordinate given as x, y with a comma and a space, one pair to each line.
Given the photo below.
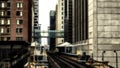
44, 8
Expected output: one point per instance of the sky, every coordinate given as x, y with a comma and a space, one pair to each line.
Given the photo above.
44, 8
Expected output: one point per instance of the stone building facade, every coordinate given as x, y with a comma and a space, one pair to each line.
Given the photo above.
60, 19
104, 30
96, 28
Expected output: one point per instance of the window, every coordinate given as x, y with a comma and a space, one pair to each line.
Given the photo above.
19, 38
62, 17
19, 22
2, 30
8, 30
3, 5
2, 13
62, 26
8, 38
62, 13
2, 38
62, 22
36, 16
62, 8
8, 21
19, 30
35, 24
2, 22
62, 4
19, 5
8, 13
8, 4
62, 41
19, 13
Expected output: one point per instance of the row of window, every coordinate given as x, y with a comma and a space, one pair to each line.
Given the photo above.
3, 21
4, 38
2, 30
19, 13
8, 38
4, 4
7, 30
4, 13
19, 5
7, 13
7, 4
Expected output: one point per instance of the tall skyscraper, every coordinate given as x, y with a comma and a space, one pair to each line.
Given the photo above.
60, 20
68, 21
37, 26
64, 20
96, 29
80, 24
104, 37
15, 32
52, 27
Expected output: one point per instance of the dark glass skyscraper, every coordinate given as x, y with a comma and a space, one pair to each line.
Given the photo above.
68, 21
52, 27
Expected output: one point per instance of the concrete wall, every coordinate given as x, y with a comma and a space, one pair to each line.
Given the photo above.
104, 29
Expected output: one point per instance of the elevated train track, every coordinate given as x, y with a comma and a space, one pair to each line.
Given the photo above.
64, 62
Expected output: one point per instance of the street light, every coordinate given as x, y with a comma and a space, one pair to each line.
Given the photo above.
116, 58
103, 55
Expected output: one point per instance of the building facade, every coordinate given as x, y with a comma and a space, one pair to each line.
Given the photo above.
36, 30
80, 24
10, 18
60, 20
52, 27
104, 38
15, 27
68, 21
96, 29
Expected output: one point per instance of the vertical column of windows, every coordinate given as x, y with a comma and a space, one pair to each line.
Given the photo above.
5, 20
19, 13
86, 20
19, 5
